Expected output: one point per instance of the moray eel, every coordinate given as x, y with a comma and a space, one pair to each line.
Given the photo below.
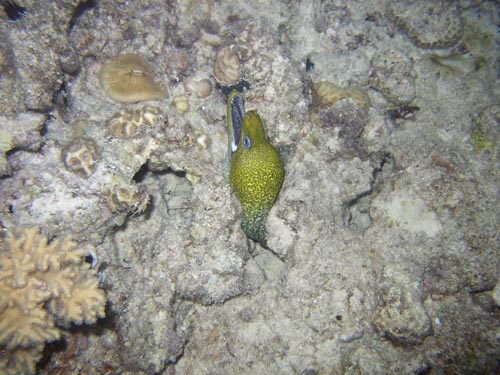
255, 169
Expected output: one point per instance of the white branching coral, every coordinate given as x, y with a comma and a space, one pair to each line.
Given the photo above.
42, 283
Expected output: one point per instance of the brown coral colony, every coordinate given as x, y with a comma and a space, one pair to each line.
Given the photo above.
128, 79
42, 284
80, 156
126, 124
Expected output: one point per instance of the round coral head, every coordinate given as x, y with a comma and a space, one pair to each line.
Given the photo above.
128, 79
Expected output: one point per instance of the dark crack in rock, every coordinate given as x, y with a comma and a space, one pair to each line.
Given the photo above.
19, 132
465, 337
41, 41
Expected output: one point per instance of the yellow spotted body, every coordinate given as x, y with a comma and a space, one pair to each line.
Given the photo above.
256, 174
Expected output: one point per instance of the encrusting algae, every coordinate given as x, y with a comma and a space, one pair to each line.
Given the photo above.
256, 171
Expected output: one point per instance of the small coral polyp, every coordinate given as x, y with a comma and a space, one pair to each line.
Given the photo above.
181, 103
80, 156
126, 124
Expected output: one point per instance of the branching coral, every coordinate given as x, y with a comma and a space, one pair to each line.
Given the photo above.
41, 283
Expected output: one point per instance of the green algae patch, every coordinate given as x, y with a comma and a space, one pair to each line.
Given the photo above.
481, 143
6, 141
485, 133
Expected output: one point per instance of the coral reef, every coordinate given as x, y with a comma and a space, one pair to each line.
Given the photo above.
383, 244
128, 78
42, 283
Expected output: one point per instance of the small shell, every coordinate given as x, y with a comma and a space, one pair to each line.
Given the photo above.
203, 141
213, 40
201, 89
181, 103
227, 68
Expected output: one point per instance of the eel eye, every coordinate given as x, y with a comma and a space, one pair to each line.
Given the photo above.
247, 142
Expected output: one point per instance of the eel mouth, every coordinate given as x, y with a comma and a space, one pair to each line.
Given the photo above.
237, 111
